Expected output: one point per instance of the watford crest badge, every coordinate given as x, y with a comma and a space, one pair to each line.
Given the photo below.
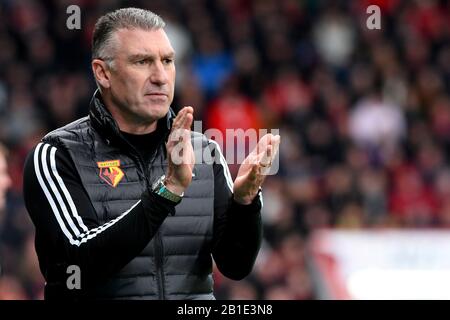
110, 172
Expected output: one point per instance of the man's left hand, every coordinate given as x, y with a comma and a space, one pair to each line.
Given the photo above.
254, 169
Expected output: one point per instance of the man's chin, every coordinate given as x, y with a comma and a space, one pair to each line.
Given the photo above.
155, 112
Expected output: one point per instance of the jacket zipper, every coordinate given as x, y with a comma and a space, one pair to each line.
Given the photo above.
157, 244
158, 247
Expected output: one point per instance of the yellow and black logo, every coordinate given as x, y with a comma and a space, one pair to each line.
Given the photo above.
110, 172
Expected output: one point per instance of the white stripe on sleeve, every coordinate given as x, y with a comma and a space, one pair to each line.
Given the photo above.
53, 195
67, 195
48, 195
223, 162
55, 190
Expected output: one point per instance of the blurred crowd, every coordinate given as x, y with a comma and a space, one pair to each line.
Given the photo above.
364, 115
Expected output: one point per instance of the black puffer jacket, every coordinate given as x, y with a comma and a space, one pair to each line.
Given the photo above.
129, 246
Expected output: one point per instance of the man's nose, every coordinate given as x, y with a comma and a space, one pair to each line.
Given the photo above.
158, 74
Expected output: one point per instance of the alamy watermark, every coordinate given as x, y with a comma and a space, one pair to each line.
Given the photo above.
234, 146
73, 22
374, 20
74, 279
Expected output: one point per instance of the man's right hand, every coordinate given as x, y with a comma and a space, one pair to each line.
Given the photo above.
180, 153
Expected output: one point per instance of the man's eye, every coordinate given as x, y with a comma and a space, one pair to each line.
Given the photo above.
168, 61
141, 62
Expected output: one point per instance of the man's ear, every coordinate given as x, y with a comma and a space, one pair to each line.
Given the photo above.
101, 72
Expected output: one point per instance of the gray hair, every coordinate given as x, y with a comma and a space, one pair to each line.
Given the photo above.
126, 18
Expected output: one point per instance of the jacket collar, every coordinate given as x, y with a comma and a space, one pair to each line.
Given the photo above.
103, 121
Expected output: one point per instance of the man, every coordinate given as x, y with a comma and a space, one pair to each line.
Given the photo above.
117, 195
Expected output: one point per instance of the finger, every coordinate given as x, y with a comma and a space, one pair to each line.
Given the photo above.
189, 109
262, 143
251, 159
176, 123
190, 156
266, 159
267, 156
186, 118
182, 121
181, 146
187, 121
255, 156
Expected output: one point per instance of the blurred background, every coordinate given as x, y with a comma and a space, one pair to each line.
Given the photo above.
362, 196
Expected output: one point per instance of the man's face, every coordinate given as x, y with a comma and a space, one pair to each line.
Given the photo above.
5, 181
143, 76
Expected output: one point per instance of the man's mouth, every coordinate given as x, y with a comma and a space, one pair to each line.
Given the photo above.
156, 94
